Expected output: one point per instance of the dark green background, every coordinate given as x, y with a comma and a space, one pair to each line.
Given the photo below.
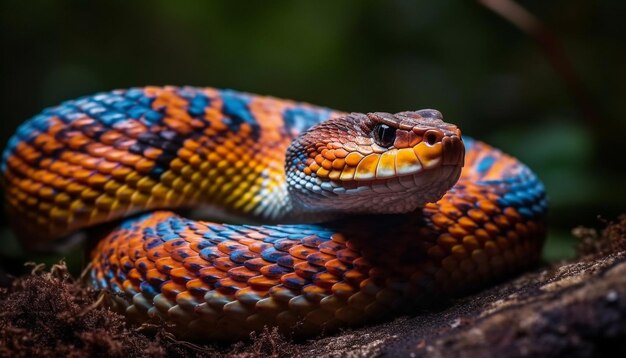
479, 70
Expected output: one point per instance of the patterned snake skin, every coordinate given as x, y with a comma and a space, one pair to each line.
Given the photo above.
115, 155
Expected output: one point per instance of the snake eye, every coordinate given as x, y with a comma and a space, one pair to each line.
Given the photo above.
384, 135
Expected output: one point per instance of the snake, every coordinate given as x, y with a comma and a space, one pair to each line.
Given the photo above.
320, 219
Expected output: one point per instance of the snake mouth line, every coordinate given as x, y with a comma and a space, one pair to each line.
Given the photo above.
418, 181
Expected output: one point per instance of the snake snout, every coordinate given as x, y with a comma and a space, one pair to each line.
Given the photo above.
453, 150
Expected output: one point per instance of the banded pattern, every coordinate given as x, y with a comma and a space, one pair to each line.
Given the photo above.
111, 155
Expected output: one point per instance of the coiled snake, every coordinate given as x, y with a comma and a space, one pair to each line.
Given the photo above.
125, 153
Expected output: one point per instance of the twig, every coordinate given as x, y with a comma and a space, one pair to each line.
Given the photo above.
552, 49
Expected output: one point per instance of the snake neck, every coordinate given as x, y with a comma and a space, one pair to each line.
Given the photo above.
281, 205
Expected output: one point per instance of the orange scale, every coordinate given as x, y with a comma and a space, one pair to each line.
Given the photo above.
330, 247
61, 167
46, 193
134, 276
471, 243
314, 293
130, 159
244, 240
125, 261
259, 246
152, 153
198, 124
181, 275
173, 245
250, 296
256, 264
314, 167
329, 154
110, 137
339, 164
228, 286
33, 187
106, 166
458, 231
90, 162
477, 215
144, 165
45, 176
176, 122
191, 145
293, 281
196, 244
327, 164
274, 271
171, 289
447, 241
463, 203
347, 255
319, 259
185, 154
166, 264
241, 274
143, 264
224, 263
211, 274
156, 254
229, 246
60, 183
197, 288
301, 251
512, 214
343, 289
336, 267
188, 301
120, 173
98, 180
129, 287
450, 210
354, 277
263, 283
482, 234
325, 280
442, 220
306, 270
97, 149
194, 263
488, 206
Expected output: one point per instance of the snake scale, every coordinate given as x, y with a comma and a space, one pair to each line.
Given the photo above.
315, 188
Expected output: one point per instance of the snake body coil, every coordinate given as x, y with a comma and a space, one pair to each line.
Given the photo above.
114, 155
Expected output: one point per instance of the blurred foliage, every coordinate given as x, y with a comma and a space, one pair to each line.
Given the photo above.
456, 56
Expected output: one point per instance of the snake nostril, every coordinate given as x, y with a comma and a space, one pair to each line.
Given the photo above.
431, 137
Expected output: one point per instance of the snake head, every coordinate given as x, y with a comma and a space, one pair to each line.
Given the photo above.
375, 162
